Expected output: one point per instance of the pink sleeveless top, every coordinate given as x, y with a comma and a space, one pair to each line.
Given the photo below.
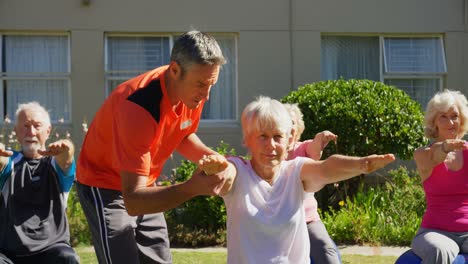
310, 203
447, 198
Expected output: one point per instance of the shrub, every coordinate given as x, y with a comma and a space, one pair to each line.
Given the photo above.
388, 214
79, 229
368, 117
200, 221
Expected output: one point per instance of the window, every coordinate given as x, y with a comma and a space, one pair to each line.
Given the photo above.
130, 55
127, 57
35, 68
415, 65
350, 58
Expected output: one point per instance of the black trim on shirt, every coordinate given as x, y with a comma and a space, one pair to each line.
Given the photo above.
149, 98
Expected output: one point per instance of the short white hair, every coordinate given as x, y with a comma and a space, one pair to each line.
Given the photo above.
294, 109
33, 107
440, 103
265, 113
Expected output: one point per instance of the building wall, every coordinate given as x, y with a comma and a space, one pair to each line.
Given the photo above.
278, 41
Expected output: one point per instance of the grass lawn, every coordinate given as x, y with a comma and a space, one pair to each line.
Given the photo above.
88, 257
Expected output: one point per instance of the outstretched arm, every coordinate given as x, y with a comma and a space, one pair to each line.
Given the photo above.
206, 180
4, 156
63, 150
321, 140
427, 158
316, 174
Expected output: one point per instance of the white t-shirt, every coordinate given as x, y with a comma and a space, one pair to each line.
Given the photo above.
266, 224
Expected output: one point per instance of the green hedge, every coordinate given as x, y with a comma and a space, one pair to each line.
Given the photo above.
200, 221
79, 229
388, 214
369, 118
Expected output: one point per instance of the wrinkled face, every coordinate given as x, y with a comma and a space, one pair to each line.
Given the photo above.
448, 123
268, 147
32, 132
194, 85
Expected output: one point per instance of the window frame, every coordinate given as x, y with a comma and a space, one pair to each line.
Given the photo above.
172, 36
407, 73
440, 76
4, 76
108, 72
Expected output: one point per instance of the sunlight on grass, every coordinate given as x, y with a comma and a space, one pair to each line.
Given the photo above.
355, 259
88, 257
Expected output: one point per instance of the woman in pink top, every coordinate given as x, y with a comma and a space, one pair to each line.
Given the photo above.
443, 168
322, 247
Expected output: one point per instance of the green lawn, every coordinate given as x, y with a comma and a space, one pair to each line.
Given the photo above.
88, 257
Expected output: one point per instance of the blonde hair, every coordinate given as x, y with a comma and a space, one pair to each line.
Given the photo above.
33, 107
295, 111
440, 103
265, 113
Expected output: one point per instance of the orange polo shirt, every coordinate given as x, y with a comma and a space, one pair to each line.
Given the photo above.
135, 130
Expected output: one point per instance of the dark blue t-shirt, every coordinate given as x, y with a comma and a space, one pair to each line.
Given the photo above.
32, 205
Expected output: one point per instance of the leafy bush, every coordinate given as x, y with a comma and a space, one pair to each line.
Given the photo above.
368, 117
200, 221
388, 214
79, 229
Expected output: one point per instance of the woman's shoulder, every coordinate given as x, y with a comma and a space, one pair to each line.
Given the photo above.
237, 159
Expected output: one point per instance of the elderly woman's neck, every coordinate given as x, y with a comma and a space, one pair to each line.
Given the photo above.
267, 173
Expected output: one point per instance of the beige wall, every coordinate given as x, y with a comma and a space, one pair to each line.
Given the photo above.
278, 44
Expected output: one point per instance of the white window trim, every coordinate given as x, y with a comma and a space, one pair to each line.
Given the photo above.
203, 122
406, 75
108, 72
38, 75
208, 123
384, 62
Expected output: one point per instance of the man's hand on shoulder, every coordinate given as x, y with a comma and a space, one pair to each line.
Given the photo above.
208, 179
212, 164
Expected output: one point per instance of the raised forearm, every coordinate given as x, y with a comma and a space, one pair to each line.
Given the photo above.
157, 199
140, 199
339, 167
65, 158
4, 156
314, 149
3, 163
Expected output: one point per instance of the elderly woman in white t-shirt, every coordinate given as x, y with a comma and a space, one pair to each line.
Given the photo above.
264, 195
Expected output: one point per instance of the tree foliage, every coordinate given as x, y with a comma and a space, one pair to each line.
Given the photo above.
368, 117
200, 221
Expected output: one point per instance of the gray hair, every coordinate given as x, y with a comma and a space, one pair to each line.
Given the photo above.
265, 113
33, 107
195, 47
296, 111
440, 103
